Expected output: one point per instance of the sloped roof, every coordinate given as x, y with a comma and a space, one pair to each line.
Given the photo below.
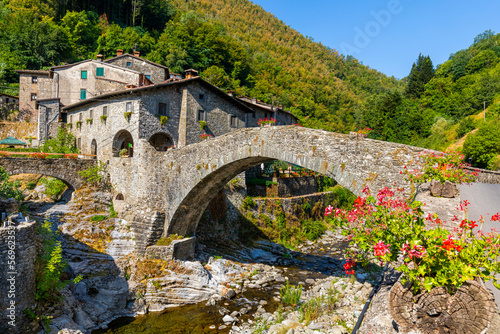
11, 96
39, 72
11, 141
135, 57
263, 105
91, 61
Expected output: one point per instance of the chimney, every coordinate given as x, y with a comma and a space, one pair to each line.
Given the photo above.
137, 53
254, 100
230, 92
280, 107
131, 86
99, 57
190, 73
119, 52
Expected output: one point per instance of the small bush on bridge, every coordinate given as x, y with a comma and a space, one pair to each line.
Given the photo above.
64, 142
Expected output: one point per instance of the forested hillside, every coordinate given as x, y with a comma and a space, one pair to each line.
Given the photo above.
234, 44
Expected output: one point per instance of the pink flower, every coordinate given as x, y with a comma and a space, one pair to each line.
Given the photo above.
380, 249
328, 210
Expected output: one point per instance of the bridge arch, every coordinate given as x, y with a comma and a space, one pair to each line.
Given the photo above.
199, 171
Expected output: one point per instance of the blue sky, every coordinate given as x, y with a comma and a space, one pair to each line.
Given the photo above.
388, 35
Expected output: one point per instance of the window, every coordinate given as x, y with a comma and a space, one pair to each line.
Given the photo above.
233, 121
129, 64
49, 111
79, 143
91, 113
83, 94
99, 72
84, 74
7, 100
34, 80
253, 114
80, 116
64, 117
105, 111
71, 118
202, 115
128, 107
201, 96
162, 109
33, 96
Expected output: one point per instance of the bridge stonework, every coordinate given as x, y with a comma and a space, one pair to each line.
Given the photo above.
167, 192
63, 169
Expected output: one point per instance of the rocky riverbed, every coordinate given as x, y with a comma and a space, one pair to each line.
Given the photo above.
229, 288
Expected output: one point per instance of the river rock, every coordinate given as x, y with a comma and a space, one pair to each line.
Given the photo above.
230, 294
228, 319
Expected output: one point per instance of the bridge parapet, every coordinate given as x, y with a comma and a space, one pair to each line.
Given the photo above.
63, 169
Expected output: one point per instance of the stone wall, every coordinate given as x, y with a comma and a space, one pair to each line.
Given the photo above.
19, 130
17, 275
43, 89
48, 120
287, 187
486, 176
63, 169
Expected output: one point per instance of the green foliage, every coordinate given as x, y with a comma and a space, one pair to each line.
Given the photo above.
90, 120
166, 241
50, 266
163, 120
421, 73
290, 294
64, 142
465, 126
326, 184
9, 189
98, 218
104, 118
31, 184
203, 125
482, 147
95, 176
248, 202
53, 187
112, 212
267, 183
127, 115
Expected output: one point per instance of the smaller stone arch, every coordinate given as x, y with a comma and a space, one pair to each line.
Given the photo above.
161, 141
119, 203
93, 148
123, 140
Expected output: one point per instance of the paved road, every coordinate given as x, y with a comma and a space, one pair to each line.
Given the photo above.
484, 200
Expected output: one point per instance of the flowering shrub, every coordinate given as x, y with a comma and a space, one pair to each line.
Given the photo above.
39, 155
265, 121
71, 156
386, 227
364, 131
440, 166
205, 136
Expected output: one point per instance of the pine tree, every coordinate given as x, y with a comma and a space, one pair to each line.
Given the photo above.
421, 73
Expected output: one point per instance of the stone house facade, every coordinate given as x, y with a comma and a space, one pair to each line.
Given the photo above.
33, 85
155, 72
9, 102
117, 121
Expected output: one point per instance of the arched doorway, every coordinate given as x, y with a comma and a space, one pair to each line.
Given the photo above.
93, 148
161, 141
123, 144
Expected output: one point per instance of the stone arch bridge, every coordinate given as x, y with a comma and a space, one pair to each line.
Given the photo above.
167, 192
63, 169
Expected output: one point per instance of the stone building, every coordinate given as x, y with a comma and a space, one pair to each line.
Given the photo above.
33, 85
155, 72
174, 113
8, 103
263, 110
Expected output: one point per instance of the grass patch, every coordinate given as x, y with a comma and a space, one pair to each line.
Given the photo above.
98, 218
165, 241
53, 187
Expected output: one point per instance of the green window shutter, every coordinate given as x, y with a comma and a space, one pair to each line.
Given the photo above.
83, 94
84, 74
99, 71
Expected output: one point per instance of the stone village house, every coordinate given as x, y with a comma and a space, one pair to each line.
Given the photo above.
102, 127
92, 97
